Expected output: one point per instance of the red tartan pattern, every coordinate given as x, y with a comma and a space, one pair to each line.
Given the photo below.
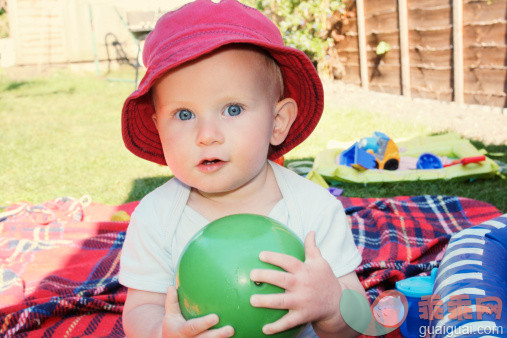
59, 260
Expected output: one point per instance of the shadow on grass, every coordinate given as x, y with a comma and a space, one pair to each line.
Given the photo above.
142, 186
495, 152
15, 85
68, 91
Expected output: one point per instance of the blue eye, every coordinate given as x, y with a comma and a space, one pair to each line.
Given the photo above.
233, 110
184, 114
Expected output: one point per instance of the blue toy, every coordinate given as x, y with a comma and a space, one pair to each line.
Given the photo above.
376, 152
429, 161
414, 288
369, 143
357, 158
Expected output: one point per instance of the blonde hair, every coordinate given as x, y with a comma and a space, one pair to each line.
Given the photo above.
273, 69
275, 73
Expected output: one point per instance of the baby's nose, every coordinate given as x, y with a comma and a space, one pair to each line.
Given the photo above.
209, 133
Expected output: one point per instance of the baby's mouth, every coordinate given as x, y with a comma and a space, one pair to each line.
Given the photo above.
210, 165
209, 162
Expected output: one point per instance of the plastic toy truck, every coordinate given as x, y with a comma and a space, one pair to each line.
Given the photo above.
387, 155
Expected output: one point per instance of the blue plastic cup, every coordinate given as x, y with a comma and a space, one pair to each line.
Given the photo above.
429, 161
414, 288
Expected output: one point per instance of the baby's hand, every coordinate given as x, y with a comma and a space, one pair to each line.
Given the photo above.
175, 325
312, 291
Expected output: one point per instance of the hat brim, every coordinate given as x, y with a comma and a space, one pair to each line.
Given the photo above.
301, 83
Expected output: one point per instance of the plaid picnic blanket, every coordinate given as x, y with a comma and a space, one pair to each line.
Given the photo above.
59, 260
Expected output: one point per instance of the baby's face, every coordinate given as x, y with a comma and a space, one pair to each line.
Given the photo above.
215, 117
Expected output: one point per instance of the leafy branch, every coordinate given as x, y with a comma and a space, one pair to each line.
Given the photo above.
308, 25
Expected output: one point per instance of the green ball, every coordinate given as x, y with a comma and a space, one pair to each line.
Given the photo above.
214, 272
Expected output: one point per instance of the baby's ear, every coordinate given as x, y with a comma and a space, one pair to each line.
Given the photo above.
285, 114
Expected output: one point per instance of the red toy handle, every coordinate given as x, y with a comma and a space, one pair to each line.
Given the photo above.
467, 160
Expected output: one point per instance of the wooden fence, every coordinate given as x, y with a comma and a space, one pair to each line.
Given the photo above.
453, 50
49, 32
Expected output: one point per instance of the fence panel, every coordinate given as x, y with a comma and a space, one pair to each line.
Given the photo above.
481, 76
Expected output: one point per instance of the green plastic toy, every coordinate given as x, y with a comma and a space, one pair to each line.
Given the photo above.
214, 272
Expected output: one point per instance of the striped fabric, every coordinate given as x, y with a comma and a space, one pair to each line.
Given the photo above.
471, 278
59, 260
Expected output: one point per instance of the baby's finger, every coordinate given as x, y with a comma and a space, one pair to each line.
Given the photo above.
281, 279
226, 331
287, 262
311, 249
287, 322
280, 301
171, 301
195, 326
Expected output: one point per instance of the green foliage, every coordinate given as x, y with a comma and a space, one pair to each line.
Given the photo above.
382, 48
304, 23
4, 23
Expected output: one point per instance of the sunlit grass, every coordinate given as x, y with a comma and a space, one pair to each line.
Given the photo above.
61, 136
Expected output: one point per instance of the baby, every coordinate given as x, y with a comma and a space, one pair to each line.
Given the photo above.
221, 98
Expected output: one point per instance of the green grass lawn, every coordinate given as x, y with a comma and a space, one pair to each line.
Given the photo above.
61, 137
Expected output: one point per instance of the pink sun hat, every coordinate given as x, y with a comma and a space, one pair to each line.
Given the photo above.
201, 27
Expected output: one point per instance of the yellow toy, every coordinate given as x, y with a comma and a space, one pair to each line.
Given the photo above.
384, 149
